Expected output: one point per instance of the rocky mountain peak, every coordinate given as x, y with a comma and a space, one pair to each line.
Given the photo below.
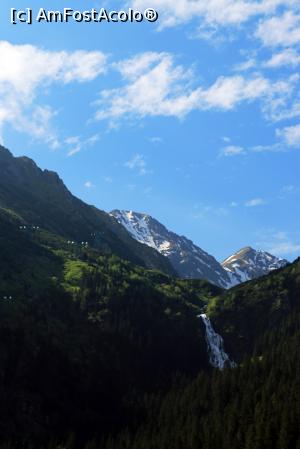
249, 263
192, 262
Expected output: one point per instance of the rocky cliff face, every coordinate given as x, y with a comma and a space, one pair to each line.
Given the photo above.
192, 262
248, 264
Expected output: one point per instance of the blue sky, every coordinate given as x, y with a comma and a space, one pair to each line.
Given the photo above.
194, 119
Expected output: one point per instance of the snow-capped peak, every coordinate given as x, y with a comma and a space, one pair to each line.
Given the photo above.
248, 263
140, 226
190, 261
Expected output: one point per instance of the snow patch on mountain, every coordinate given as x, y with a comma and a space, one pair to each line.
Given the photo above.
190, 261
247, 264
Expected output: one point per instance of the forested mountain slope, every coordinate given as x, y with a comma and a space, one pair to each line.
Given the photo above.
39, 198
84, 334
256, 405
244, 313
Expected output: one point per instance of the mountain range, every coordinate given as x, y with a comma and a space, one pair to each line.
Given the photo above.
105, 343
39, 198
192, 262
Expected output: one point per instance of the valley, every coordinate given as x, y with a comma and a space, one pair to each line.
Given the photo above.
105, 344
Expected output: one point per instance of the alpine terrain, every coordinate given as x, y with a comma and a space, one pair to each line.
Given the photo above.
192, 262
102, 346
248, 264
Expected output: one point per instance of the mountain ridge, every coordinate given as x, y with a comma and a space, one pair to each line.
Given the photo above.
191, 261
248, 263
40, 198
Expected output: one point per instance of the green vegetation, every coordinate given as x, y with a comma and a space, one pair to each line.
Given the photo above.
84, 334
247, 311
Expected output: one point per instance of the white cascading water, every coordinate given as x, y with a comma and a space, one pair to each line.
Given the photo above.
218, 358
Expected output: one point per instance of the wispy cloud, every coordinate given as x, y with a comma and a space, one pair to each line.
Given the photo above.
290, 189
138, 164
155, 140
245, 65
287, 57
255, 202
279, 243
201, 211
285, 248
77, 143
232, 150
88, 184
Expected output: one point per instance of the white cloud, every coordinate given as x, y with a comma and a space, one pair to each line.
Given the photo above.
227, 92
155, 140
288, 57
275, 147
25, 72
226, 139
136, 66
88, 184
90, 141
211, 13
201, 211
290, 135
24, 67
287, 139
287, 191
290, 189
246, 65
255, 202
155, 86
38, 124
282, 108
137, 163
280, 102
281, 30
76, 143
232, 150
280, 243
285, 248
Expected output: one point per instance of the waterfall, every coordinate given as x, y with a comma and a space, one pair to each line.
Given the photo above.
218, 358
